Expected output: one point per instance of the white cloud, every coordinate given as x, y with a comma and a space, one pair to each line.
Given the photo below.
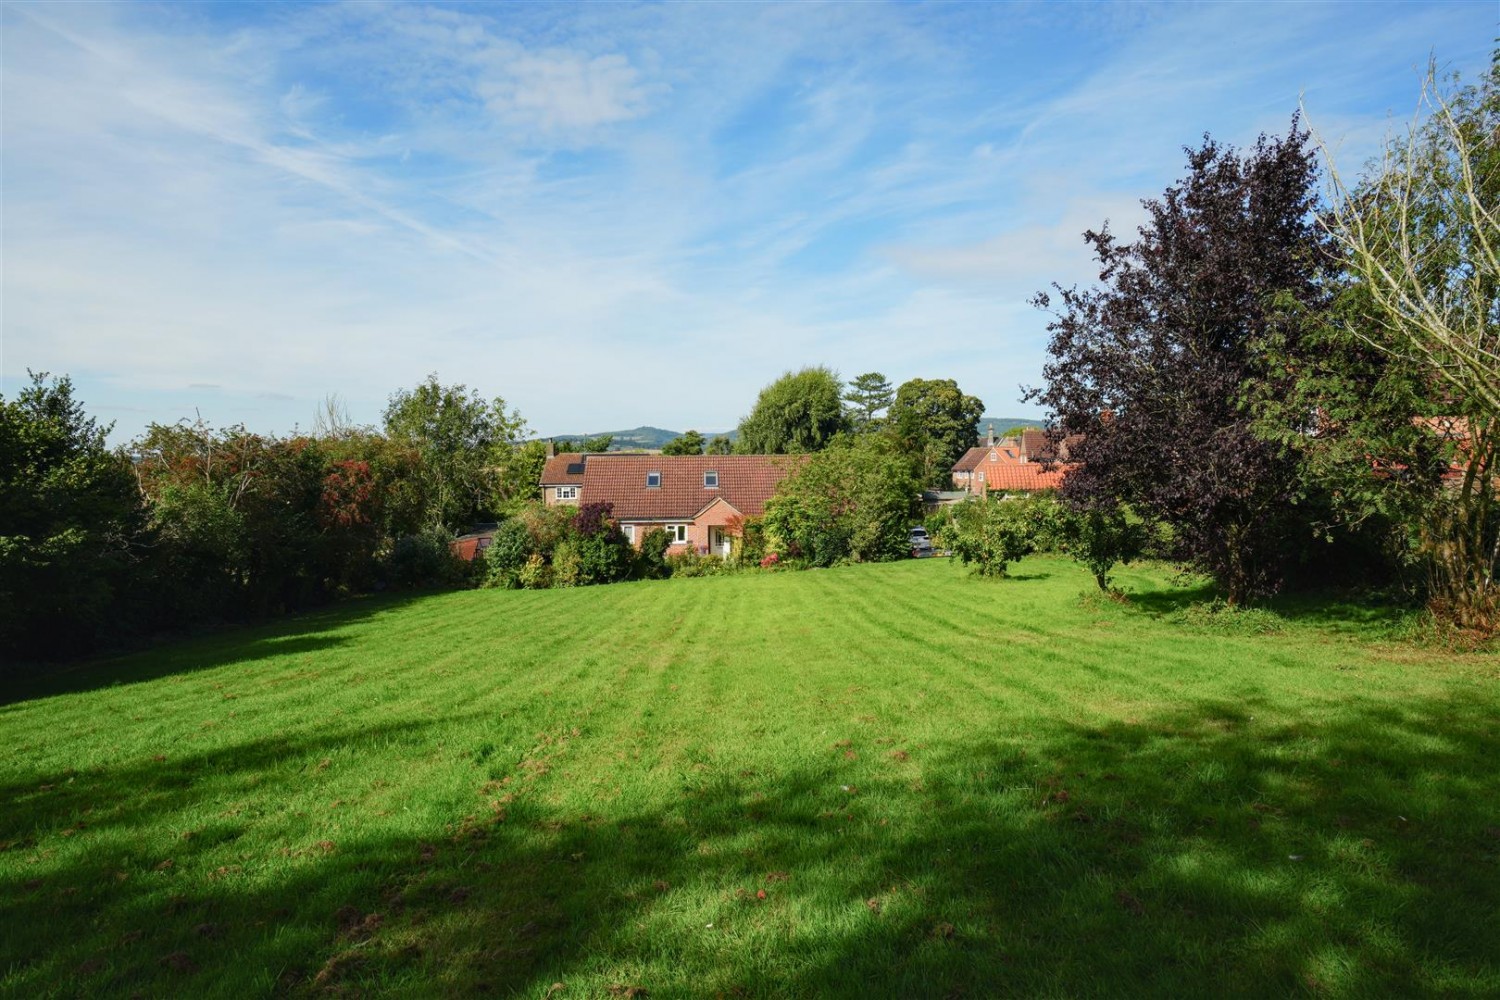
563, 91
607, 214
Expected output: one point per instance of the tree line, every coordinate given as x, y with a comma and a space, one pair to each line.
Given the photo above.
190, 524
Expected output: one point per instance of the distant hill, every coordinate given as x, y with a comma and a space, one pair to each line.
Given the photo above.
655, 438
1004, 425
642, 438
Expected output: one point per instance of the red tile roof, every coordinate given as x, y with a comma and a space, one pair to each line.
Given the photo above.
565, 469
971, 459
1021, 476
746, 482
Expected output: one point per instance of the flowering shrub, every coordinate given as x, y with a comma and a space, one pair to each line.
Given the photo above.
770, 561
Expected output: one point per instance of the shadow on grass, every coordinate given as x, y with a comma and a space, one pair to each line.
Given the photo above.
1190, 853
1334, 611
168, 655
1159, 602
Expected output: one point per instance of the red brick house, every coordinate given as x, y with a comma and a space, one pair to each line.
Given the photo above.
1027, 463
698, 500
562, 476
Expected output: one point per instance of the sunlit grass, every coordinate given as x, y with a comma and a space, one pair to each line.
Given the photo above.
888, 780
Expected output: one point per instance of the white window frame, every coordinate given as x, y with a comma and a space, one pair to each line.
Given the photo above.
677, 534
565, 492
711, 485
657, 476
629, 530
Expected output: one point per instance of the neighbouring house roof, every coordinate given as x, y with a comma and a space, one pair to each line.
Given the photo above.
1006, 476
746, 482
1042, 446
1032, 446
565, 469
971, 459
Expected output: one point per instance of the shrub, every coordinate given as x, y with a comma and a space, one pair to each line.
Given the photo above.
1102, 536
851, 501
507, 554
567, 566
690, 563
425, 560
603, 554
994, 532
748, 543
535, 574
605, 557
652, 559
547, 525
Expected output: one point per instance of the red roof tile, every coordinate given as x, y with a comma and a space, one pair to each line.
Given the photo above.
971, 459
1021, 476
564, 469
746, 482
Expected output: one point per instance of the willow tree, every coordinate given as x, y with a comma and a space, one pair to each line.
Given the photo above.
1418, 237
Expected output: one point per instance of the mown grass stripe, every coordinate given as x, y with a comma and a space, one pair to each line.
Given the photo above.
492, 792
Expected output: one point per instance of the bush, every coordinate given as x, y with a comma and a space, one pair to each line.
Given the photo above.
748, 544
852, 501
567, 565
994, 532
1103, 536
536, 574
686, 564
68, 508
509, 549
603, 553
425, 560
652, 558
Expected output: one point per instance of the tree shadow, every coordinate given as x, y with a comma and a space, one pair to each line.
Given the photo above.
170, 655
1337, 612
1194, 851
1160, 602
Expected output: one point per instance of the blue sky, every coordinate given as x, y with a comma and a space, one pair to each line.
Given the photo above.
613, 214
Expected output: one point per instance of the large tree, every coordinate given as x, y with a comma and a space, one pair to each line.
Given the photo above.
462, 439
868, 395
1151, 364
934, 420
690, 443
68, 511
853, 500
799, 412
1403, 377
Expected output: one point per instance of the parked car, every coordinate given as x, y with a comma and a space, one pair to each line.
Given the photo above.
921, 545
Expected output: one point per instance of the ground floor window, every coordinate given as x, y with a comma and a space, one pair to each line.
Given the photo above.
629, 530
567, 493
676, 533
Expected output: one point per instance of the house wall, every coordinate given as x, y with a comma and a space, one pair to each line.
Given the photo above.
549, 495
641, 528
719, 514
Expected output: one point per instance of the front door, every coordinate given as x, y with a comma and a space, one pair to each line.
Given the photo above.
718, 541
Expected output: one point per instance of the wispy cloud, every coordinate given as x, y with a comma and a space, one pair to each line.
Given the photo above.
612, 214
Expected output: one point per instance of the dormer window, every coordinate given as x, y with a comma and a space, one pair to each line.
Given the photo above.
653, 480
710, 480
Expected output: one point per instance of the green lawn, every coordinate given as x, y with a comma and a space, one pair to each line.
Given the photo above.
890, 780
